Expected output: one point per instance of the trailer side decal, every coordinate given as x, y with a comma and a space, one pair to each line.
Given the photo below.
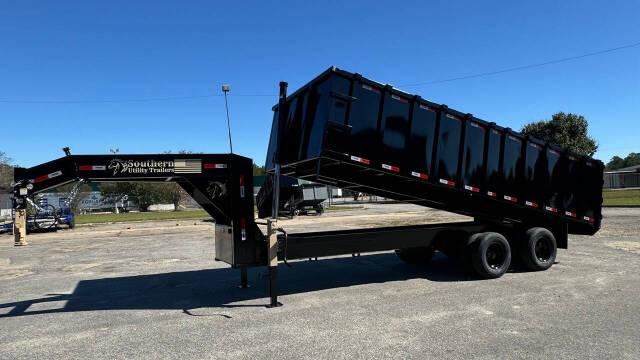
511, 198
187, 166
552, 209
471, 188
492, 194
531, 203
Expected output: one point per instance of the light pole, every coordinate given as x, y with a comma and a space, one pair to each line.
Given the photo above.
225, 90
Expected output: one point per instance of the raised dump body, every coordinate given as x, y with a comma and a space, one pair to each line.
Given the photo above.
345, 130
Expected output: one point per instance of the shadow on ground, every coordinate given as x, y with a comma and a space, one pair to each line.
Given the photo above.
209, 288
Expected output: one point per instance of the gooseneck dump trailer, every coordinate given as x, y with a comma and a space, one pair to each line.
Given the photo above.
341, 129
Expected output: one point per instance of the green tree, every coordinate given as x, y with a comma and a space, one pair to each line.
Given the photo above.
566, 130
258, 170
6, 172
144, 193
617, 162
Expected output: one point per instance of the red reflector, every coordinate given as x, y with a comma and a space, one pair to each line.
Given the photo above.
511, 198
370, 88
396, 97
241, 180
491, 193
243, 229
360, 160
48, 176
424, 107
530, 203
215, 166
447, 182
417, 174
391, 167
91, 167
471, 188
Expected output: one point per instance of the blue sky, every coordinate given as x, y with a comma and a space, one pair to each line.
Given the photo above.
120, 50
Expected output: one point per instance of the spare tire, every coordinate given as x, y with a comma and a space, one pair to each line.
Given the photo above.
538, 249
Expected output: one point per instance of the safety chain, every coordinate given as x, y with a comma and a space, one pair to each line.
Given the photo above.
74, 192
34, 204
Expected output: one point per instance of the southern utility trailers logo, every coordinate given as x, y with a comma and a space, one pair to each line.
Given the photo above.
177, 166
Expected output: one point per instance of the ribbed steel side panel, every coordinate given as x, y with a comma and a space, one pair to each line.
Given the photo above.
343, 129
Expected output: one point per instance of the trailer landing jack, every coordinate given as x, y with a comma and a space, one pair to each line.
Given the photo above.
273, 262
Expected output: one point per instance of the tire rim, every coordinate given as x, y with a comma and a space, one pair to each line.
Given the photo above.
543, 249
496, 255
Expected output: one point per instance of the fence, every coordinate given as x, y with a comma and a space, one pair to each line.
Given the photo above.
620, 180
5, 207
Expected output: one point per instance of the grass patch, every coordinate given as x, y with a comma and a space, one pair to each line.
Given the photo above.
343, 208
141, 216
621, 197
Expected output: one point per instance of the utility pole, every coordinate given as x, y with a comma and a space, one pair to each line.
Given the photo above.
225, 90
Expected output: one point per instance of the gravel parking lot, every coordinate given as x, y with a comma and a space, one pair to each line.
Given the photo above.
152, 290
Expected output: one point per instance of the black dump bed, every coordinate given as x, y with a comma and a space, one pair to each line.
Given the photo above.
345, 130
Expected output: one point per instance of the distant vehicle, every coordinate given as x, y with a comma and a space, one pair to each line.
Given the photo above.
45, 216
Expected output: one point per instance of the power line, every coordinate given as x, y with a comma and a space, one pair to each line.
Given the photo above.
465, 77
99, 101
524, 67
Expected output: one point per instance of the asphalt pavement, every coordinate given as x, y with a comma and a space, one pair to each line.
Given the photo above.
152, 290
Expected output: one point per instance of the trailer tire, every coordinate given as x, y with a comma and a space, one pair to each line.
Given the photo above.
72, 222
538, 249
417, 255
490, 255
